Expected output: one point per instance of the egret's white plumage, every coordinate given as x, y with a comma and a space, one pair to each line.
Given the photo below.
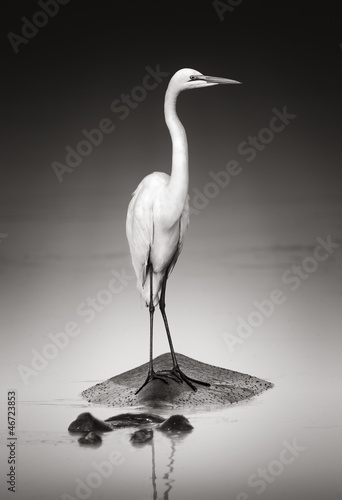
158, 215
151, 238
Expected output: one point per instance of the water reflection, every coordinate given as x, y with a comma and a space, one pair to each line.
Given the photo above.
168, 475
154, 475
167, 472
215, 460
169, 480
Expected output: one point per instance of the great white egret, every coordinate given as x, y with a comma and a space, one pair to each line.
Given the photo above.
158, 216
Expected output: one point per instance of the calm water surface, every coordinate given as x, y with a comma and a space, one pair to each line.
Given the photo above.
237, 452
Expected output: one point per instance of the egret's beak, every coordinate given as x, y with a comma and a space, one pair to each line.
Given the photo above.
216, 79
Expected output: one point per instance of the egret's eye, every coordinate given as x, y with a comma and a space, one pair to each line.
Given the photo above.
192, 77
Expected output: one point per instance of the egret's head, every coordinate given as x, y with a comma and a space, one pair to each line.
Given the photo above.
187, 79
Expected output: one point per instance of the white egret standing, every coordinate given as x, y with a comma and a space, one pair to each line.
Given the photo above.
158, 216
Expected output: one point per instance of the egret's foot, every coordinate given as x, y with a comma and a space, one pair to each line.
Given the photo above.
156, 375
177, 374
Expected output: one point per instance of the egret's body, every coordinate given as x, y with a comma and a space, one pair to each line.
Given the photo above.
151, 237
158, 216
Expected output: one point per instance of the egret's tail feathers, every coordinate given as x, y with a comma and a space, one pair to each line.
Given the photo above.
144, 288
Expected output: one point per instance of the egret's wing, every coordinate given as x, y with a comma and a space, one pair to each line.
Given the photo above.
139, 230
184, 222
139, 224
183, 226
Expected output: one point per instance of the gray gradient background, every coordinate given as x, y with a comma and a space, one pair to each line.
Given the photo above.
65, 238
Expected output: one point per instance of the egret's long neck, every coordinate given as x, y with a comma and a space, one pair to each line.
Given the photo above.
179, 181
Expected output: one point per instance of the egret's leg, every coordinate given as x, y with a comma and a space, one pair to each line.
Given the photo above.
162, 310
151, 310
176, 369
151, 373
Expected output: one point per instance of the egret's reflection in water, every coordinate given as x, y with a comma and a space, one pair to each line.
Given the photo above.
168, 479
167, 474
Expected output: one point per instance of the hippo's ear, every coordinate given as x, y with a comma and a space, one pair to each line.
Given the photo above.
177, 423
87, 423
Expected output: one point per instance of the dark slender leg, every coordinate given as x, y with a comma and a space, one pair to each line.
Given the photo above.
151, 309
176, 369
162, 310
151, 373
